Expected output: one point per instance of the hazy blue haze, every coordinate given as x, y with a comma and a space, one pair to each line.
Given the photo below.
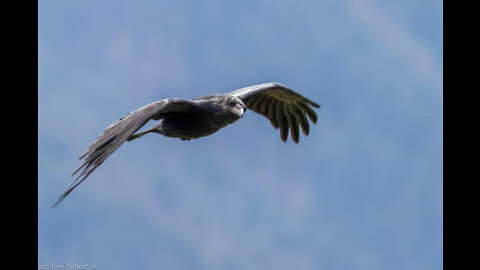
363, 191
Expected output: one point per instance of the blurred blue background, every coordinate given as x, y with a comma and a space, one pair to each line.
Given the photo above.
362, 191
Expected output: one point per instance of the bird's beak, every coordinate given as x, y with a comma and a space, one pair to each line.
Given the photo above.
238, 110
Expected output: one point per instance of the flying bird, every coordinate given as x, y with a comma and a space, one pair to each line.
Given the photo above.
188, 119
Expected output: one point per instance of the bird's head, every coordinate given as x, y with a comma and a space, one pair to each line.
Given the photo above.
236, 106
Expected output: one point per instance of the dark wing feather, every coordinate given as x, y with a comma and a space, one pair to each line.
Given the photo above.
284, 108
272, 112
118, 132
282, 121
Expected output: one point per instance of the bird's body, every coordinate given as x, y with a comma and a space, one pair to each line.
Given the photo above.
188, 119
205, 116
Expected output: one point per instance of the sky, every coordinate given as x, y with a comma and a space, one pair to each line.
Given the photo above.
363, 191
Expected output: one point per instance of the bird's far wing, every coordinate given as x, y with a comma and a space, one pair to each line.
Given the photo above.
118, 132
284, 108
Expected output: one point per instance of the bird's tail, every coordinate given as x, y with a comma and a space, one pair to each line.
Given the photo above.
109, 141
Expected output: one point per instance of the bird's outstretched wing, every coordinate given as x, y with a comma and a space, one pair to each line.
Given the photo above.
284, 108
118, 132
